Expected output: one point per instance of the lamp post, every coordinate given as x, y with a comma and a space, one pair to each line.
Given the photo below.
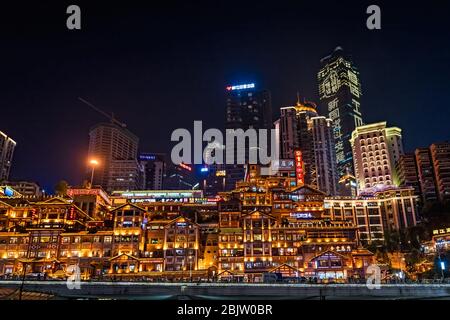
93, 163
442, 267
190, 268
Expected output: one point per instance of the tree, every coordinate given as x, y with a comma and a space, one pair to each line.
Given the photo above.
61, 188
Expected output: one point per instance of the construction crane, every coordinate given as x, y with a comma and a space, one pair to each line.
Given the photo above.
109, 116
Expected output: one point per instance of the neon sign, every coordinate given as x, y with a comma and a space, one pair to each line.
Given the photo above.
241, 87
221, 173
299, 172
185, 166
147, 157
302, 215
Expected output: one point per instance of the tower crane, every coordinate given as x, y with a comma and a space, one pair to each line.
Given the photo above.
109, 116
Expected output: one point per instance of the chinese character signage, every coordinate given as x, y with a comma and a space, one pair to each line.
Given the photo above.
299, 171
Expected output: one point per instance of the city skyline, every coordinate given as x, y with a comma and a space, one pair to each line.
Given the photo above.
141, 100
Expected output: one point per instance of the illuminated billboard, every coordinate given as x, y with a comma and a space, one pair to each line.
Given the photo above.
299, 170
241, 87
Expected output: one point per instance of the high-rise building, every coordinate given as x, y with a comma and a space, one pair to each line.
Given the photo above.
375, 150
440, 157
296, 134
154, 166
294, 131
180, 177
247, 108
340, 93
395, 147
302, 129
214, 180
110, 144
7, 146
408, 176
426, 174
324, 154
125, 175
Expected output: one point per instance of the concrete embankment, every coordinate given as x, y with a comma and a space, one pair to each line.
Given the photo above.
139, 290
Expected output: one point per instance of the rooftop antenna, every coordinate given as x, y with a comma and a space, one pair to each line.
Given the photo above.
109, 116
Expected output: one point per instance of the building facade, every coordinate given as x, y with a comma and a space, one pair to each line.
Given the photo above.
266, 225
302, 129
26, 188
376, 148
375, 213
111, 145
7, 146
407, 172
440, 157
426, 175
247, 107
324, 155
154, 166
340, 94
125, 175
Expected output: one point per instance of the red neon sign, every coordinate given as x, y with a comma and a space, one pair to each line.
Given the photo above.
299, 173
185, 166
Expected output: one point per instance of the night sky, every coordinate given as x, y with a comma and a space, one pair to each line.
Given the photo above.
160, 67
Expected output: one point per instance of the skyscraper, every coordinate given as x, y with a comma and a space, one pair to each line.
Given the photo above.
324, 154
440, 156
154, 166
302, 129
246, 108
376, 148
426, 174
340, 93
7, 146
111, 145
407, 172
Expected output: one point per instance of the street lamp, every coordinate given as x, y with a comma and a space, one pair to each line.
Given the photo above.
442, 267
93, 163
190, 268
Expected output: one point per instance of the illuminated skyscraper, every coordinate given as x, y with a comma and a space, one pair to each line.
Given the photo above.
7, 146
301, 128
247, 108
340, 93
